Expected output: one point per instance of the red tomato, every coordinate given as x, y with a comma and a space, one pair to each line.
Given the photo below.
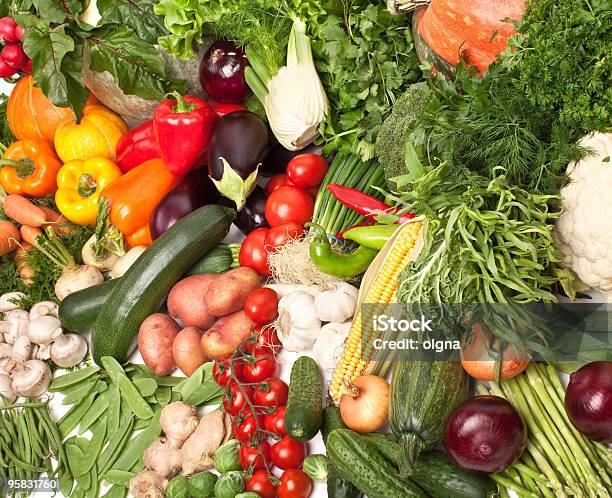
235, 398
307, 170
278, 181
272, 392
288, 453
281, 234
275, 422
222, 372
261, 305
294, 484
254, 457
247, 431
261, 483
262, 367
265, 339
221, 109
253, 252
289, 204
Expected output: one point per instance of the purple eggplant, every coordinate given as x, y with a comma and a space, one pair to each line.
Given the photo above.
278, 157
194, 191
239, 143
252, 215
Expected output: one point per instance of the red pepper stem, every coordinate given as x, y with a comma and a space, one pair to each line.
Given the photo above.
181, 106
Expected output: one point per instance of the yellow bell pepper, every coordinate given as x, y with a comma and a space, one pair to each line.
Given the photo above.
79, 184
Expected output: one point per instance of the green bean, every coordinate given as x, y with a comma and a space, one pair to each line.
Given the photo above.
69, 379
72, 419
137, 445
119, 477
130, 394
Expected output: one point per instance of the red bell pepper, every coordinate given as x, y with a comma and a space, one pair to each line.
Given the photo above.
365, 204
136, 147
222, 109
183, 126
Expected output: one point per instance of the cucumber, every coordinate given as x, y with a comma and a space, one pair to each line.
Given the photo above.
303, 414
147, 283
218, 260
434, 472
336, 486
357, 461
78, 311
423, 395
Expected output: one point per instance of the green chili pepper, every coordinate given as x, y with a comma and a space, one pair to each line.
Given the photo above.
373, 236
339, 265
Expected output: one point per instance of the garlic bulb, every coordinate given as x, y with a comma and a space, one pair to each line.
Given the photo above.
294, 98
297, 324
328, 346
336, 303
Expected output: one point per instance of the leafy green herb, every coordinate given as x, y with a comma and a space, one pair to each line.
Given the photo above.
182, 18
138, 16
6, 136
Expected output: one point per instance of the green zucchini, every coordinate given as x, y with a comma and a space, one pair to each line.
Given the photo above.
423, 395
434, 472
303, 414
78, 311
218, 260
336, 486
359, 462
147, 283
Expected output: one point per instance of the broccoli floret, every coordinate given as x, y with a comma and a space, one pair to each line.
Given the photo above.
391, 140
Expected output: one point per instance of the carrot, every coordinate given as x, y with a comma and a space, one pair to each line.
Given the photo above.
23, 211
25, 271
56, 221
29, 234
9, 237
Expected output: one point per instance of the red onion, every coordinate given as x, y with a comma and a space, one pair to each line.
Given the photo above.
588, 400
485, 434
222, 72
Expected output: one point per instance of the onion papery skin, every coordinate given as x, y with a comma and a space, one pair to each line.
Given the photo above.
222, 73
485, 434
588, 401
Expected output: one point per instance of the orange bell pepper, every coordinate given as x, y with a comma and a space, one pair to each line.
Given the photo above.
134, 197
29, 167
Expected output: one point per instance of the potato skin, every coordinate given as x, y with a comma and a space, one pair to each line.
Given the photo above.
187, 350
230, 291
226, 334
155, 338
187, 301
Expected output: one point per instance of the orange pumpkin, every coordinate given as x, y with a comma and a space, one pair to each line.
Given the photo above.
31, 115
95, 136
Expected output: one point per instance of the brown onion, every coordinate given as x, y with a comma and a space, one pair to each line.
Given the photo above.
365, 408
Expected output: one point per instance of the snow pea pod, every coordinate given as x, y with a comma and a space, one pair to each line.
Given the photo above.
130, 394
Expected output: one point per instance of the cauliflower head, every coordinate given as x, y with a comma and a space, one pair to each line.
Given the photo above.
584, 230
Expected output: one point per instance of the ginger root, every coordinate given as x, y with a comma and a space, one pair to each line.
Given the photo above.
148, 484
163, 458
178, 421
197, 453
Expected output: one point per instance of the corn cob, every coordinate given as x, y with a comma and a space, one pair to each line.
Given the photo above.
358, 349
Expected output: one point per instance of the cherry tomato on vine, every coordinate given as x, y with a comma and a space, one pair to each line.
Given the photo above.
281, 234
289, 204
273, 393
307, 170
261, 305
254, 457
275, 422
294, 484
235, 398
263, 367
265, 340
288, 453
253, 252
247, 431
261, 483
222, 371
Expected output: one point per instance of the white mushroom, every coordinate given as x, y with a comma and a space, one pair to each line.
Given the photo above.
8, 300
44, 329
44, 308
68, 350
5, 350
32, 378
22, 349
41, 352
7, 365
6, 389
15, 323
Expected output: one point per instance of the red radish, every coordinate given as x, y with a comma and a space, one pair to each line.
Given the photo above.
7, 30
19, 32
27, 66
6, 71
13, 55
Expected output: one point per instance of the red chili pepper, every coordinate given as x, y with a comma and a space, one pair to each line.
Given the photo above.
366, 223
364, 204
183, 126
136, 147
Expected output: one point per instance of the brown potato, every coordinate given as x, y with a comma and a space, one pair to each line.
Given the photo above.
155, 338
226, 334
187, 350
186, 301
230, 290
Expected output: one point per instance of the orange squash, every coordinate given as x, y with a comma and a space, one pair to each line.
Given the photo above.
95, 136
31, 115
